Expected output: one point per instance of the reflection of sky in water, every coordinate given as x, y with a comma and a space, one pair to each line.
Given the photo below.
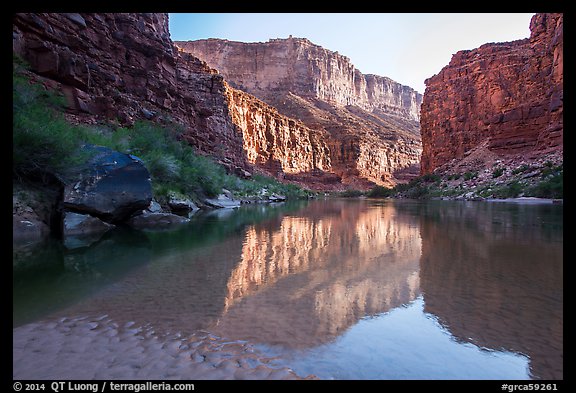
405, 343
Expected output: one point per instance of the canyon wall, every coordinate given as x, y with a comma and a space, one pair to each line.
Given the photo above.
504, 97
124, 67
280, 145
369, 122
120, 68
305, 69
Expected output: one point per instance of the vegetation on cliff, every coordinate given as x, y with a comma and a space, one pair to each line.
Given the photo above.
540, 179
46, 145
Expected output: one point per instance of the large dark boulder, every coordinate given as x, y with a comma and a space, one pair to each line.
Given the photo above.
111, 186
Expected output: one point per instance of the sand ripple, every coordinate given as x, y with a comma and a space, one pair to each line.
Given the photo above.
100, 348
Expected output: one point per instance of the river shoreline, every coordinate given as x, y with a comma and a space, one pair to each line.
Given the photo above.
100, 348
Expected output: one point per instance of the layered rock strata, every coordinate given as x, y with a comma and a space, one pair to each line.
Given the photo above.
305, 69
280, 145
370, 123
505, 98
124, 67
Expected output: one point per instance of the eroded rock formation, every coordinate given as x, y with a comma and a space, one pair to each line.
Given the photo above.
124, 67
279, 144
506, 98
305, 69
368, 122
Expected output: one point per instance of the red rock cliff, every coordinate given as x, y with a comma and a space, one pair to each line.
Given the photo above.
305, 69
504, 97
370, 123
281, 146
125, 67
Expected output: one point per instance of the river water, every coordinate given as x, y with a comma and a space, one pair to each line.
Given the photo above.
328, 289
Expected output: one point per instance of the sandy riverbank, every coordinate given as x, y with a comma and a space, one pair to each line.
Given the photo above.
99, 348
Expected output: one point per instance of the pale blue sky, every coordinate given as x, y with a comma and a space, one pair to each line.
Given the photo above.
405, 47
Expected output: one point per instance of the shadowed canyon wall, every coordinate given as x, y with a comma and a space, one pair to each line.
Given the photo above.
124, 67
505, 97
369, 122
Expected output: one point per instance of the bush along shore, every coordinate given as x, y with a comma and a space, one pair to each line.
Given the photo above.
78, 181
541, 178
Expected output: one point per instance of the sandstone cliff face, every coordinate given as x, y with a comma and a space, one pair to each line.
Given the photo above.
369, 123
504, 97
306, 69
278, 144
125, 67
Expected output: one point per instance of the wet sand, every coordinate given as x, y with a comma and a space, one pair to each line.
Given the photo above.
99, 348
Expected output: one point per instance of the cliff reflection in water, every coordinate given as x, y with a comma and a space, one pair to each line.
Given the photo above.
336, 288
492, 274
302, 280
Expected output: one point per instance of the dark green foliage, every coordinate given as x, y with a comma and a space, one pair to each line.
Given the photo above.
470, 175
419, 191
552, 187
521, 168
511, 190
350, 193
497, 172
270, 185
430, 178
380, 192
42, 141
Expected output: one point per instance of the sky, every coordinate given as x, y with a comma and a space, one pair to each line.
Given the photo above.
407, 48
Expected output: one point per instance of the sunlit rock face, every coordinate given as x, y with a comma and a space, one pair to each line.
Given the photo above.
308, 286
493, 286
276, 143
370, 123
307, 70
504, 97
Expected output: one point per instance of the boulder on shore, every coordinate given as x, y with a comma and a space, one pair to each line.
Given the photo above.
112, 186
81, 230
182, 207
148, 220
223, 201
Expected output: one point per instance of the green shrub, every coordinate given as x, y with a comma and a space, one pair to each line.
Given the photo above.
552, 187
511, 190
380, 192
430, 178
418, 192
521, 168
470, 175
350, 193
42, 141
497, 172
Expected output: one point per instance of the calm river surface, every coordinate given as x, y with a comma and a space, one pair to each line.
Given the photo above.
331, 289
